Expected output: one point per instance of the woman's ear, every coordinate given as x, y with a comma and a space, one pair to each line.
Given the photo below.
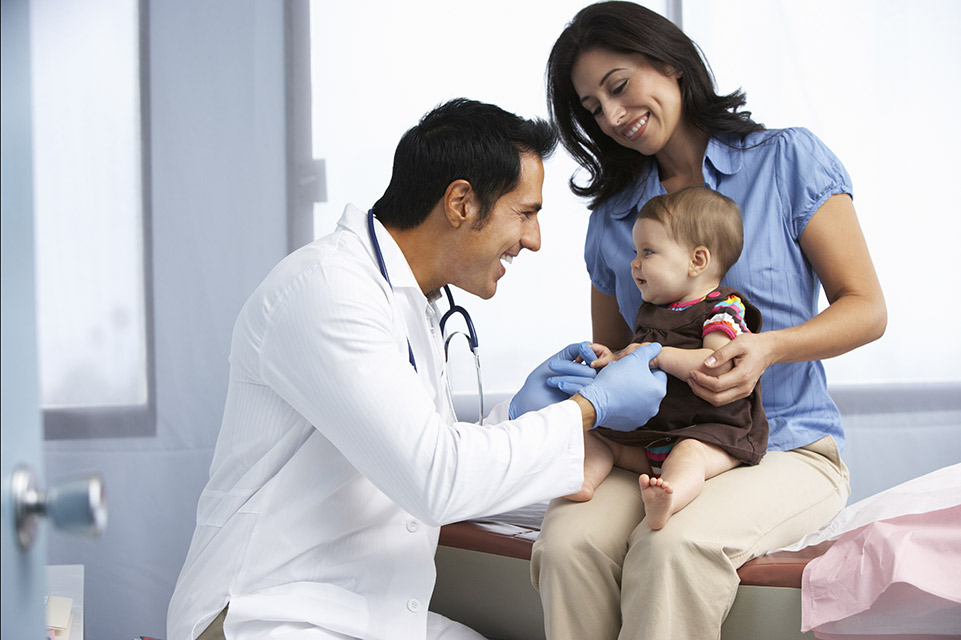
700, 260
458, 201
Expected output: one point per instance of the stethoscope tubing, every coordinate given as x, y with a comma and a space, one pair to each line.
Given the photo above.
471, 334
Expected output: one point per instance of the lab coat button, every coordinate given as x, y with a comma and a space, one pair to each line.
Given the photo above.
413, 526
413, 605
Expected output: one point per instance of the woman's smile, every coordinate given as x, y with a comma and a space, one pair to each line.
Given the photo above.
636, 127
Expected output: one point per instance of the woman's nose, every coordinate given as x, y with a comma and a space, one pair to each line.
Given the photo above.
614, 113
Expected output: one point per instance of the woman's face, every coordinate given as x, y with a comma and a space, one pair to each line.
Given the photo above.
633, 103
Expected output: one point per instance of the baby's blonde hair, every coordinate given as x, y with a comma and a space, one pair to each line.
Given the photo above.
698, 216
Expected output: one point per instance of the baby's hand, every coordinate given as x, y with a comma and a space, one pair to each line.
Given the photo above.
629, 349
604, 356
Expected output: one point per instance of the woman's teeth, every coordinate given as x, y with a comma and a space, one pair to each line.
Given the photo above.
630, 133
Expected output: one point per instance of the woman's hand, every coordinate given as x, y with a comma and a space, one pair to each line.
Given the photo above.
750, 354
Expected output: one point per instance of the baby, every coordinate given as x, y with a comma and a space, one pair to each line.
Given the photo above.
685, 242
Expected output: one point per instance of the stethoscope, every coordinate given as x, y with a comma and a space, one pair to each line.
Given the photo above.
454, 309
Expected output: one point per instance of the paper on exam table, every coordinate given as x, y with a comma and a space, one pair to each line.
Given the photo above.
894, 578
932, 492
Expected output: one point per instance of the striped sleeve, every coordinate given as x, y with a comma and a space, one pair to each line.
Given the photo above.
727, 316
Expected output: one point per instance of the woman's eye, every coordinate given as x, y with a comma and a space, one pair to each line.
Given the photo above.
619, 88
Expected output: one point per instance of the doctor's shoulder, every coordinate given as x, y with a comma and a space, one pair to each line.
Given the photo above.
329, 279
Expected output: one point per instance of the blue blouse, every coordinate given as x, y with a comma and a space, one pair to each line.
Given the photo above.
779, 179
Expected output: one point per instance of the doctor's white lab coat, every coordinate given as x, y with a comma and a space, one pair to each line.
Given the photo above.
337, 461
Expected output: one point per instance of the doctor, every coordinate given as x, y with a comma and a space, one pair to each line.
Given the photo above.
339, 455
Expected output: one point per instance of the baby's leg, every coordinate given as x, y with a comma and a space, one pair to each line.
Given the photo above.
683, 473
598, 461
629, 458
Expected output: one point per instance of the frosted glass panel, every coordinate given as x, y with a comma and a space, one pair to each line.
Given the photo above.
88, 202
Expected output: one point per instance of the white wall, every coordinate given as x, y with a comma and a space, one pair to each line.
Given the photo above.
219, 224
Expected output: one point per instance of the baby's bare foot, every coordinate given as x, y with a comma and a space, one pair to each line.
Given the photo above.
658, 497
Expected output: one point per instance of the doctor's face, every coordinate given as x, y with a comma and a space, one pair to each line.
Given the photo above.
510, 227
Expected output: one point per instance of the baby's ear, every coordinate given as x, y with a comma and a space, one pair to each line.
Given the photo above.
700, 260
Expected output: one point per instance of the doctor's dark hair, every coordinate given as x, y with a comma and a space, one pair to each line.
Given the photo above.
459, 140
628, 28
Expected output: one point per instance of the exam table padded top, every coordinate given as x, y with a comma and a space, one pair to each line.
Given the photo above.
779, 569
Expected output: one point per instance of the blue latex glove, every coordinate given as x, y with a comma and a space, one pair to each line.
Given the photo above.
626, 393
537, 394
573, 376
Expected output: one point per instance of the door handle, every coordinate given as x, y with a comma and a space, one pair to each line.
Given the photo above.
75, 505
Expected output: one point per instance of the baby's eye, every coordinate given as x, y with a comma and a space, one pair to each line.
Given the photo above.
647, 252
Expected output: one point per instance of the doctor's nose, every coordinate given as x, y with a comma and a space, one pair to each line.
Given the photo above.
531, 240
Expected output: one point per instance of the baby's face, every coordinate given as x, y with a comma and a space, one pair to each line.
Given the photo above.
662, 266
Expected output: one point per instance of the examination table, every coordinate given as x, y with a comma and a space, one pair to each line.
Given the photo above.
483, 569
483, 580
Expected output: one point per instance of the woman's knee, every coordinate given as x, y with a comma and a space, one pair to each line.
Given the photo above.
677, 555
560, 544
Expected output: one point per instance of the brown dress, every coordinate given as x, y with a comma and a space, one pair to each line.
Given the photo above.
739, 428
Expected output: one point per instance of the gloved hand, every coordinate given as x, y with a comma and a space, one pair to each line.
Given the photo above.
573, 375
626, 393
537, 394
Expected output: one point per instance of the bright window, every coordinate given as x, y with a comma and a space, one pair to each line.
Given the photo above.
89, 213
874, 80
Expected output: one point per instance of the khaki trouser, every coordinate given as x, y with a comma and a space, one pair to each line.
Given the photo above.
215, 630
603, 574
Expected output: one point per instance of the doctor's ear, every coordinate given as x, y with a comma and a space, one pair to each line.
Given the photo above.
458, 202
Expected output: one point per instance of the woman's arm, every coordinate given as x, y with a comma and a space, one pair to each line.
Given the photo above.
833, 243
608, 323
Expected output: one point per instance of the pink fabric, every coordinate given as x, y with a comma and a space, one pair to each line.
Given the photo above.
898, 578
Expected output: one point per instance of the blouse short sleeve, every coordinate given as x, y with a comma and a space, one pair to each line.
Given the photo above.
596, 258
807, 173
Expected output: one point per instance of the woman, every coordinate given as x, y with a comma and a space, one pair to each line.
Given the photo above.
636, 106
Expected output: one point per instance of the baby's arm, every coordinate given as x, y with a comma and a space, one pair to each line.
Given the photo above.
680, 362
725, 322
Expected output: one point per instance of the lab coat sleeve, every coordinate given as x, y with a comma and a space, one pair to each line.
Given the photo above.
332, 351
